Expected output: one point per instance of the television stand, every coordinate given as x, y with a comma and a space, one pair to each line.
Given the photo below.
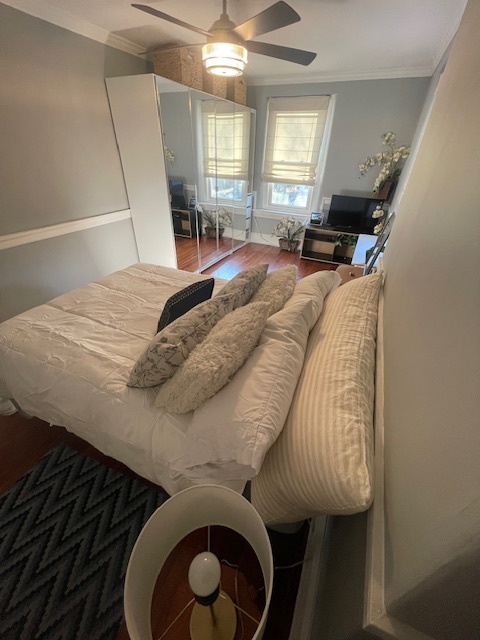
319, 244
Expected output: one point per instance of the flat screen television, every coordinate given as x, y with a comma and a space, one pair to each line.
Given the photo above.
352, 213
177, 195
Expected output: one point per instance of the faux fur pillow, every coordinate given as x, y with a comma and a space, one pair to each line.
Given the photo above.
172, 346
212, 364
277, 288
244, 284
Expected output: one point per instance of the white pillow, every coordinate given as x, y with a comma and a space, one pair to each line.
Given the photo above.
277, 288
213, 362
322, 463
239, 424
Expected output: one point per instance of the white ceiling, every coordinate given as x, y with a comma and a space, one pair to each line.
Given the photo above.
353, 39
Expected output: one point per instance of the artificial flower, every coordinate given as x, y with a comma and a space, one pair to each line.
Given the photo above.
387, 160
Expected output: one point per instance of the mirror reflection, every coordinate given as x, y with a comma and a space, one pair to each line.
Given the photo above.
208, 145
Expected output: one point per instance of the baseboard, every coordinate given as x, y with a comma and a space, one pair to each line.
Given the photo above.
311, 580
387, 627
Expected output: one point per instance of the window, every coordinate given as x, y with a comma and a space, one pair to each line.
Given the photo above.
225, 151
295, 132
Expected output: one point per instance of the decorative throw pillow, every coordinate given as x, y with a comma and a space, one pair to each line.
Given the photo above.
237, 426
184, 300
277, 288
171, 347
212, 363
244, 284
329, 429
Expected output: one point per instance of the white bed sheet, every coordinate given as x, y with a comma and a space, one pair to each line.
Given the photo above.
67, 362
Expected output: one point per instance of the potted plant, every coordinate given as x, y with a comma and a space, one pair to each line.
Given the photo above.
345, 245
289, 232
215, 221
389, 162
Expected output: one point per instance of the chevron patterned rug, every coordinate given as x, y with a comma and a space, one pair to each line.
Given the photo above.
66, 532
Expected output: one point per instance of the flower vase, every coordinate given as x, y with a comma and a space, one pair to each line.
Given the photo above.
211, 232
288, 245
387, 190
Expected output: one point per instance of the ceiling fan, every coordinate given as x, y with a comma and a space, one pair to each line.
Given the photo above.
225, 53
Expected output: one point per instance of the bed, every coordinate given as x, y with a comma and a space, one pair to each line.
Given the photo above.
296, 419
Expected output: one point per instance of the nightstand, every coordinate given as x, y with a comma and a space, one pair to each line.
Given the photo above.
348, 272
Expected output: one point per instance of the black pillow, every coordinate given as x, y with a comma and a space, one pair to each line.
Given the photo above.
184, 300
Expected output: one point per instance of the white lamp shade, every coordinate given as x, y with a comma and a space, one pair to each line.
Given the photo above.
191, 509
224, 58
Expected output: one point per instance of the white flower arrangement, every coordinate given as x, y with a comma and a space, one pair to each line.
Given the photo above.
377, 214
289, 229
387, 160
169, 155
218, 216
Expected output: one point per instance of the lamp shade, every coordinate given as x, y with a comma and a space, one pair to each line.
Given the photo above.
224, 58
191, 509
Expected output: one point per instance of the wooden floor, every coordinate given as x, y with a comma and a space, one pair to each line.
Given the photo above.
190, 254
24, 441
244, 257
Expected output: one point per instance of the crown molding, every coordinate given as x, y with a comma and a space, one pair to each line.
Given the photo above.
374, 74
41, 10
446, 41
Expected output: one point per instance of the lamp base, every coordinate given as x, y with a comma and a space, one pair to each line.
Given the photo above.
218, 622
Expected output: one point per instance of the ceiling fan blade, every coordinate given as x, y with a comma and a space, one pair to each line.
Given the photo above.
283, 53
275, 17
165, 16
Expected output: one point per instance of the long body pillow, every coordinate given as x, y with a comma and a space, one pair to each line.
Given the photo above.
322, 463
238, 425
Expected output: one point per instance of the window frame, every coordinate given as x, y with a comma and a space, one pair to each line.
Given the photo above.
203, 181
315, 189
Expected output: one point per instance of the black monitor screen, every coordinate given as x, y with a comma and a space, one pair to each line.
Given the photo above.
353, 213
177, 194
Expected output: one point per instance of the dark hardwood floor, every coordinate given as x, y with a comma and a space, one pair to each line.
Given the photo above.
242, 258
24, 441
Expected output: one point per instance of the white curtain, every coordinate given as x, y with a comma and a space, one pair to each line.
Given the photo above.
294, 136
226, 137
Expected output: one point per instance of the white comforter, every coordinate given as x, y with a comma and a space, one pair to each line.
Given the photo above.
68, 361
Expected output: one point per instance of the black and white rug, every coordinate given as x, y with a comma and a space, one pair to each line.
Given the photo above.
66, 532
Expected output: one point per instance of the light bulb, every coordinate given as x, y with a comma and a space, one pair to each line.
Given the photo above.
204, 574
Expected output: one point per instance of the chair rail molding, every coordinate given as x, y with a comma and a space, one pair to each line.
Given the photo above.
20, 238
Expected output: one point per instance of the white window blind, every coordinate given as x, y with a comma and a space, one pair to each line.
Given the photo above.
226, 137
294, 136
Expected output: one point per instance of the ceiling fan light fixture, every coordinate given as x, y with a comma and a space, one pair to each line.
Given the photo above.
224, 58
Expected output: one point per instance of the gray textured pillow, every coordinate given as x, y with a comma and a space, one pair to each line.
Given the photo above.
277, 288
171, 346
212, 363
244, 284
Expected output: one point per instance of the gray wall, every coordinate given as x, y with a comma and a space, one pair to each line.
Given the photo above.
177, 129
364, 110
34, 273
59, 159
432, 364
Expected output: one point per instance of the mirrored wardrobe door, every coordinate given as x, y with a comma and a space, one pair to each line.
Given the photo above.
175, 115
215, 241
242, 174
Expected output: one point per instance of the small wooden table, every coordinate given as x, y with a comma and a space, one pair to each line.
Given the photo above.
348, 272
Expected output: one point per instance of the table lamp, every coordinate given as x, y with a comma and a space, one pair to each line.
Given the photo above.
213, 614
